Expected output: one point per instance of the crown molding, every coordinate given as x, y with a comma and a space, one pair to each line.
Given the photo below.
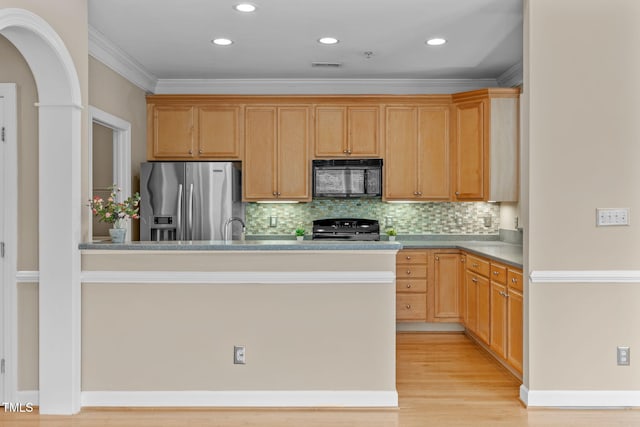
512, 77
319, 86
102, 49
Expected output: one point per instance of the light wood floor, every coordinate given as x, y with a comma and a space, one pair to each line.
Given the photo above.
443, 380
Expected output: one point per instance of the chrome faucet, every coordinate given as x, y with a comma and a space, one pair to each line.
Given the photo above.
226, 227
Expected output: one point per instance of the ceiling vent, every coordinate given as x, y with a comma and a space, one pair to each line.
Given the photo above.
327, 64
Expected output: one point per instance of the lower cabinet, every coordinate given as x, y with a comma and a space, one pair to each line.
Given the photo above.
411, 285
447, 286
478, 297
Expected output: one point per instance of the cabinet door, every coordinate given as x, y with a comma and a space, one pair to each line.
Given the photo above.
259, 171
363, 134
293, 153
499, 319
433, 153
470, 151
173, 132
331, 131
219, 132
447, 287
401, 162
471, 313
484, 309
514, 329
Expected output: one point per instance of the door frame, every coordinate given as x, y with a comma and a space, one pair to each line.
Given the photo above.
121, 154
10, 214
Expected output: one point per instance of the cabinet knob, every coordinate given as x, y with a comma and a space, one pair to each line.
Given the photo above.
419, 193
495, 273
344, 151
408, 257
274, 193
474, 280
437, 258
514, 280
457, 193
409, 272
474, 265
190, 151
408, 306
415, 193
279, 194
200, 151
408, 285
348, 151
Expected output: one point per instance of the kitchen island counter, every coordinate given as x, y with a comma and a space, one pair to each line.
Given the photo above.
160, 322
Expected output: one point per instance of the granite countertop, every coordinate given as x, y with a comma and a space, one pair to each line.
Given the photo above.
244, 245
507, 253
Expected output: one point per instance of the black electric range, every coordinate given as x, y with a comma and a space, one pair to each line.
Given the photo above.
346, 229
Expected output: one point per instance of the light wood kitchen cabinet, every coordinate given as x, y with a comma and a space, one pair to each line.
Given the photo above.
515, 312
181, 132
417, 159
506, 314
447, 289
486, 145
478, 297
411, 285
347, 131
276, 160
171, 132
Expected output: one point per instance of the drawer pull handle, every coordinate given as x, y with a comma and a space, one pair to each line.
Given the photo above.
474, 265
514, 280
408, 306
495, 273
474, 280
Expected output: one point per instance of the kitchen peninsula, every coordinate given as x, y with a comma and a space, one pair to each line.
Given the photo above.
316, 319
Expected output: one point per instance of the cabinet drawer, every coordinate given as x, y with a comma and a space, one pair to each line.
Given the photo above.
499, 273
411, 307
411, 285
409, 271
478, 265
514, 280
409, 256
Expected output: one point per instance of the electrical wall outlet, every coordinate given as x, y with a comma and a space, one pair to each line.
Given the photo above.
239, 355
624, 356
612, 216
273, 221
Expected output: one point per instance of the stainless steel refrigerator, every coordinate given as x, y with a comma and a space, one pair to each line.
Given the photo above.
190, 200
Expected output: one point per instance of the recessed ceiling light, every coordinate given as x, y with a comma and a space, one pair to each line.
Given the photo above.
222, 42
436, 41
245, 7
328, 40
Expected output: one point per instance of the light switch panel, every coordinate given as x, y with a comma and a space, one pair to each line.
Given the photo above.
612, 216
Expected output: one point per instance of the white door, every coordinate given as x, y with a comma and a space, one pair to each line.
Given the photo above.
3, 167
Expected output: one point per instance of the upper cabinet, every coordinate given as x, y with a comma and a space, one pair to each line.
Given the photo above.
347, 131
198, 132
276, 160
417, 153
486, 145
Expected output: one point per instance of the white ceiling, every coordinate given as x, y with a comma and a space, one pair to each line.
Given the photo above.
171, 39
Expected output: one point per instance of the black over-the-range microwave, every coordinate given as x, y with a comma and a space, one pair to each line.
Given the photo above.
347, 178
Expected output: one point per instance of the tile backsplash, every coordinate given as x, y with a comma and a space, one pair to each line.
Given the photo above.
407, 218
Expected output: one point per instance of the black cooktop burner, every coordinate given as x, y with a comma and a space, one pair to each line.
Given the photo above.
346, 229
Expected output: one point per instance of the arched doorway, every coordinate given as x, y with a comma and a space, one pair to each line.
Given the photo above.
59, 186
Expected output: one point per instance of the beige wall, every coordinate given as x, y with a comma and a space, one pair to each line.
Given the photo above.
581, 90
28, 336
298, 336
14, 69
114, 94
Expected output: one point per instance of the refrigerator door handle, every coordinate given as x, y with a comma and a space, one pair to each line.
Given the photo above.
190, 208
179, 230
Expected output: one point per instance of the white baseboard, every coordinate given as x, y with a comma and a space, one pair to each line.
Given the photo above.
241, 398
28, 396
580, 398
